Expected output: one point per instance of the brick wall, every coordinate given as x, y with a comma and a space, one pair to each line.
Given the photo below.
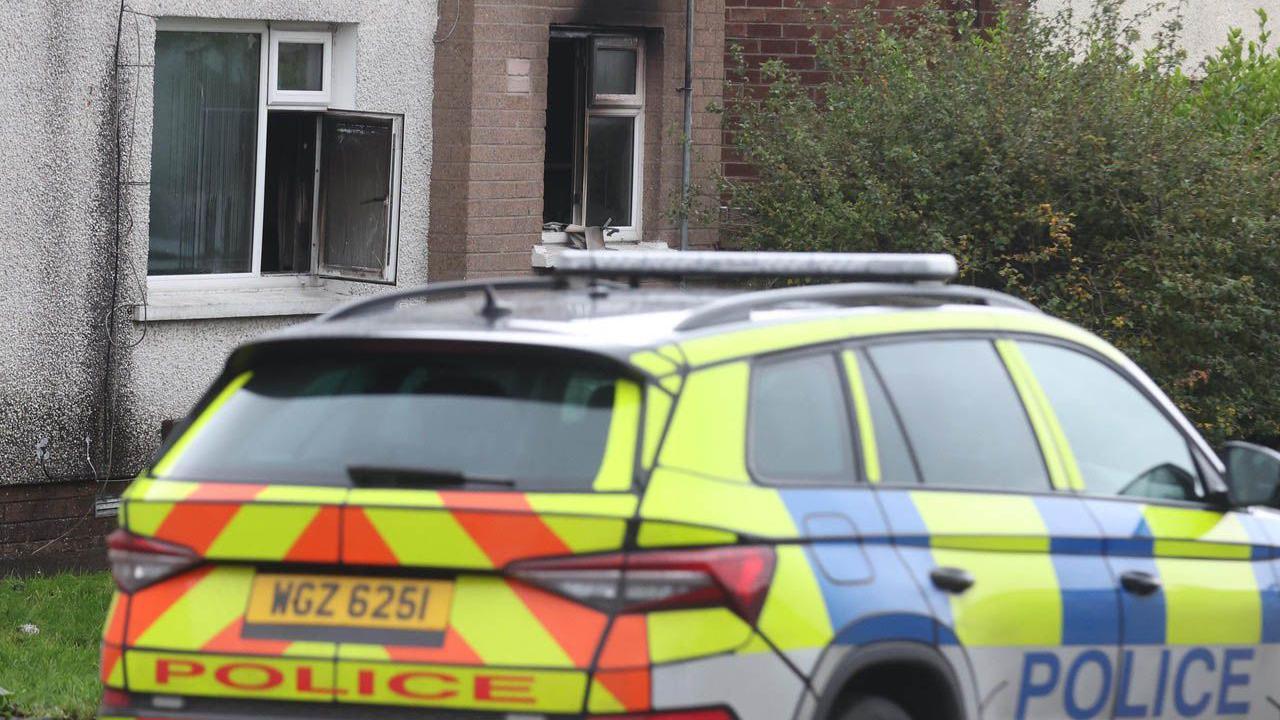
490, 116
50, 527
768, 29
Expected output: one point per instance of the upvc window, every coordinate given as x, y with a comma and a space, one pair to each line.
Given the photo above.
595, 130
253, 174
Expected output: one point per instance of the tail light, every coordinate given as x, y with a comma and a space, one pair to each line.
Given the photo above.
737, 577
112, 698
137, 562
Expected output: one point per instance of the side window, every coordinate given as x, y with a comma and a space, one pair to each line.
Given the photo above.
884, 448
961, 414
798, 425
1122, 443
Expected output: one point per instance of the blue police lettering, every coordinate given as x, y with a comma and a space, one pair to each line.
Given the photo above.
1030, 687
1089, 710
1123, 708
1196, 682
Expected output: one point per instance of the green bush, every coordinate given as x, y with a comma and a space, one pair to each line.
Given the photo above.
1104, 185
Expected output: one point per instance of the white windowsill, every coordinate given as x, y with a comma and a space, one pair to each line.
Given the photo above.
544, 254
192, 300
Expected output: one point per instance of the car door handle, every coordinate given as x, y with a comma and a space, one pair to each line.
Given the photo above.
951, 579
1139, 582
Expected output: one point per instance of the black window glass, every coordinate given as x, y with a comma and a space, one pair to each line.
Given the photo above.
537, 425
799, 427
891, 446
1122, 443
961, 414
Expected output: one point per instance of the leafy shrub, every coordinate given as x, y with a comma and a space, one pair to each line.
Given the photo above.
1103, 184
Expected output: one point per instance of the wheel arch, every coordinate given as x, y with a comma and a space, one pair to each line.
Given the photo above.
840, 674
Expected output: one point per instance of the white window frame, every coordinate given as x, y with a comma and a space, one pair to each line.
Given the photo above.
302, 98
254, 279
631, 106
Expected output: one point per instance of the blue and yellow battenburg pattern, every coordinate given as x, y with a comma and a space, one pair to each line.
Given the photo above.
852, 568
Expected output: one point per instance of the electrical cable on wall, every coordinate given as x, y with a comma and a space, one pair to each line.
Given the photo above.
122, 226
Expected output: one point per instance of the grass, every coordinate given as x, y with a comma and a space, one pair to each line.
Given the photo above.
53, 674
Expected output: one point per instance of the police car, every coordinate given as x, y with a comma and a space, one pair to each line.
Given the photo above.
575, 496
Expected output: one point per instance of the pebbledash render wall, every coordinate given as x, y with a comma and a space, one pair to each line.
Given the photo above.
88, 394
490, 118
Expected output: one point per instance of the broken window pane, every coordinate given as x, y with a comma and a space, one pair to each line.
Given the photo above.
289, 197
559, 179
300, 66
614, 71
355, 187
204, 152
610, 144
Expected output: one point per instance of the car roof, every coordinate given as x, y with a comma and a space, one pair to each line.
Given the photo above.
619, 319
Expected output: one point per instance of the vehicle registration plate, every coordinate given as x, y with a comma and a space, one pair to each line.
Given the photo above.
355, 609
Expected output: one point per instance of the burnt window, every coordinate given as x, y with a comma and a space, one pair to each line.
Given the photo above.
594, 131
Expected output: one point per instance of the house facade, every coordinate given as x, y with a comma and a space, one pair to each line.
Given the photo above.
180, 176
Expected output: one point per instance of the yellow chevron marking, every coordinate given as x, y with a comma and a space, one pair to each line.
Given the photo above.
500, 628
427, 537
145, 518
200, 614
614, 505
584, 535
262, 532
603, 701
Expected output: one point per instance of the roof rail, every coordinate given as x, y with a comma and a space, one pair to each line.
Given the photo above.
898, 267
739, 307
387, 301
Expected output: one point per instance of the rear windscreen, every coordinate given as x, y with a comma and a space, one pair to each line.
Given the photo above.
478, 422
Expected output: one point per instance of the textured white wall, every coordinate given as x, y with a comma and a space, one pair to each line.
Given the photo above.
56, 215
1205, 22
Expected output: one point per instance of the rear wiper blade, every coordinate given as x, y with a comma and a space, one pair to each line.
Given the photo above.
416, 477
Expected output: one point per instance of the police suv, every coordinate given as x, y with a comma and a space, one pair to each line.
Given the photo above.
574, 497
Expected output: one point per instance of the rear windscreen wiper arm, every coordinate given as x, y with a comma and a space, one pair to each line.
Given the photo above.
411, 477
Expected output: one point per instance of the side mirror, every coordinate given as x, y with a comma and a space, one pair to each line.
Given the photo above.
1253, 474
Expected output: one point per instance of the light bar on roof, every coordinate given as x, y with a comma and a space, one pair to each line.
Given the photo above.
899, 267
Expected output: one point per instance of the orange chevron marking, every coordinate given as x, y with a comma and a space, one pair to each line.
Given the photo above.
110, 656
229, 641
628, 643
576, 628
196, 525
629, 687
455, 651
319, 542
114, 632
149, 604
362, 544
513, 533
238, 492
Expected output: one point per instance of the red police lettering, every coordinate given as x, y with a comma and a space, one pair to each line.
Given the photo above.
399, 684
270, 677
166, 669
512, 688
306, 684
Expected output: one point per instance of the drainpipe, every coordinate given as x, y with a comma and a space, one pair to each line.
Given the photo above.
686, 169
